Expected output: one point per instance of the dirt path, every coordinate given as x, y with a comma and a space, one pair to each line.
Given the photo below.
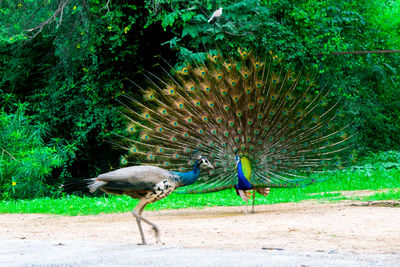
308, 226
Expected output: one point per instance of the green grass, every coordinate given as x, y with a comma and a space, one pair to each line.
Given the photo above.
372, 178
389, 195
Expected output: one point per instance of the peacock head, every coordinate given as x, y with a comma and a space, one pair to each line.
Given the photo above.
237, 160
205, 163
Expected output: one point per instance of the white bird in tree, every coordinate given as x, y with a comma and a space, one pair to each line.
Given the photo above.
217, 13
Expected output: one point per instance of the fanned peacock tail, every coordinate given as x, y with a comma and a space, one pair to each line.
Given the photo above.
280, 120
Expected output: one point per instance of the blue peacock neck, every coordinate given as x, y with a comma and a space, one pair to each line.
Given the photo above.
243, 182
188, 178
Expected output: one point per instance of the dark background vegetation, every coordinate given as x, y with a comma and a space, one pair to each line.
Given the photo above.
63, 64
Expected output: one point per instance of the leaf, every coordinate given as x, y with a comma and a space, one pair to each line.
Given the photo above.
168, 20
187, 16
219, 36
173, 42
189, 30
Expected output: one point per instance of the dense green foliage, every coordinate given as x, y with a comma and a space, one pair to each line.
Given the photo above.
304, 33
25, 160
68, 61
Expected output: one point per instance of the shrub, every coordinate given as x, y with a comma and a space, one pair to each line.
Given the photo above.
25, 160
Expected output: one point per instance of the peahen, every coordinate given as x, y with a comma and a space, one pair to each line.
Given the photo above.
147, 183
260, 123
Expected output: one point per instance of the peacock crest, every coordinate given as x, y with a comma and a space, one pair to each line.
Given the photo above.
279, 120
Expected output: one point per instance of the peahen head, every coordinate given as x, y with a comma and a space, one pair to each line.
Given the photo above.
188, 178
204, 163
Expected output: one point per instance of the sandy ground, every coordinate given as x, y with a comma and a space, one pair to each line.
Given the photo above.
350, 227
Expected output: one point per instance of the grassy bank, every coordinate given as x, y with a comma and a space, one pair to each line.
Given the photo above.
370, 177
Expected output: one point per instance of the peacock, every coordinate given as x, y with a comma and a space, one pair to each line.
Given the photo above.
262, 124
147, 183
244, 188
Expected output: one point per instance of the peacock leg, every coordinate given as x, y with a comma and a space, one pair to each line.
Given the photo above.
246, 211
137, 212
254, 199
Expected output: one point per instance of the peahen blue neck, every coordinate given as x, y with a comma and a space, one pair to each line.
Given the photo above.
188, 178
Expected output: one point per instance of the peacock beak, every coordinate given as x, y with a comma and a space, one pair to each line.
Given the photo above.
237, 161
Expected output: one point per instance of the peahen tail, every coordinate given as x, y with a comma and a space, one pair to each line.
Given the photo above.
285, 124
84, 186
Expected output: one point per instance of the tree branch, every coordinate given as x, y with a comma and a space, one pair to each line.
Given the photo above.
106, 6
58, 11
361, 52
11, 156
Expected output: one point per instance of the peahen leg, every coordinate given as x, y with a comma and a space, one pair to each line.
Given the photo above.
138, 207
137, 212
155, 228
254, 199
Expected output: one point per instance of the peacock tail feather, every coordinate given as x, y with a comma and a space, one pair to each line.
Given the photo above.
279, 122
